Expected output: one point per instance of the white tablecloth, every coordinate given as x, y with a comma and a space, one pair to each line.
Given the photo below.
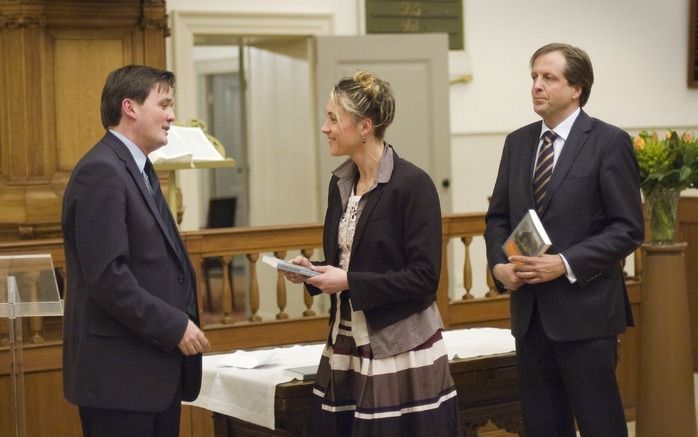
247, 392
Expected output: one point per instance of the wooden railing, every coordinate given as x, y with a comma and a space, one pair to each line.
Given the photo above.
235, 320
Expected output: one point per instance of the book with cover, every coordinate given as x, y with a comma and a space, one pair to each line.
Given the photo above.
528, 237
303, 373
286, 266
186, 144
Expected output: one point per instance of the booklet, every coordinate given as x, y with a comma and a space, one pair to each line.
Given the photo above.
286, 266
303, 373
528, 237
186, 144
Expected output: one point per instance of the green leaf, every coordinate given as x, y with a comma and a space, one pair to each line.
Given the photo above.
685, 173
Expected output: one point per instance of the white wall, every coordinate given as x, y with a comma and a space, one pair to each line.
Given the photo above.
638, 47
346, 12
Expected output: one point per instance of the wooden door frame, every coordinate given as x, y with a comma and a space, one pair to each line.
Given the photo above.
187, 25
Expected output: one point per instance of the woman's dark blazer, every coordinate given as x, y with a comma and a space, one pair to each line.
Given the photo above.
396, 254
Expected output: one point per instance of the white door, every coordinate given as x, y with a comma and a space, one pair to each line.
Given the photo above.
288, 80
416, 66
280, 131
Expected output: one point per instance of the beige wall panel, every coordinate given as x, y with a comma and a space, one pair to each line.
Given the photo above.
47, 412
43, 205
80, 69
16, 147
12, 201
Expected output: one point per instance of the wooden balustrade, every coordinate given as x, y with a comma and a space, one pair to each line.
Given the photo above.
472, 304
207, 246
225, 244
250, 243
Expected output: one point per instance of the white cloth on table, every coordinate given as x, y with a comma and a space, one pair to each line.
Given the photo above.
477, 342
247, 392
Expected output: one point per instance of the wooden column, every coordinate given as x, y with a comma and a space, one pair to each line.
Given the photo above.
665, 390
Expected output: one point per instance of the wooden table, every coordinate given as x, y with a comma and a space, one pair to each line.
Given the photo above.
487, 390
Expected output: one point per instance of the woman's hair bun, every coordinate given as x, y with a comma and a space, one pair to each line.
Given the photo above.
368, 82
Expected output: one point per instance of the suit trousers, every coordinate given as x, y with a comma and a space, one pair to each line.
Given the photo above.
101, 422
563, 381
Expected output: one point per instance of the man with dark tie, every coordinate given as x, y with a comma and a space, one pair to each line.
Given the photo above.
131, 342
568, 305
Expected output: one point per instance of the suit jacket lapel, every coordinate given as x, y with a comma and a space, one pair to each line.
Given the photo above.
371, 202
578, 136
334, 215
531, 148
123, 153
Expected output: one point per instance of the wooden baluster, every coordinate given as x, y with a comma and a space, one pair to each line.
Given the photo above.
307, 298
467, 269
35, 323
4, 332
228, 265
202, 301
227, 292
4, 325
638, 265
491, 287
281, 289
254, 287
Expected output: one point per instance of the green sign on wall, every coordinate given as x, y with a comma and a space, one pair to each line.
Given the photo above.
427, 16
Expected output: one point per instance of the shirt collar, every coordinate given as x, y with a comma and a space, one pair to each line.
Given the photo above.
347, 172
563, 129
136, 151
385, 167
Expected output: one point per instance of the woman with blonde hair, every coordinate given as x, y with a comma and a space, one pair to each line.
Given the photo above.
384, 370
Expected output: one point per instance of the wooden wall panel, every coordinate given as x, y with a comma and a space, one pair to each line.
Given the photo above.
48, 413
629, 354
81, 66
55, 57
688, 232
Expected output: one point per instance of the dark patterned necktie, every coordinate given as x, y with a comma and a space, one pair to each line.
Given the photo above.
153, 183
544, 169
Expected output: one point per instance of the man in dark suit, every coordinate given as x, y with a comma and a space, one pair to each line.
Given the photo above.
568, 305
132, 347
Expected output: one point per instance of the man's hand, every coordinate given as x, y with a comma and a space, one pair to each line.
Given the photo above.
331, 280
193, 341
506, 274
538, 269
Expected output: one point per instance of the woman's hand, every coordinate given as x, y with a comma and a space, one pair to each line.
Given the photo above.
331, 280
295, 277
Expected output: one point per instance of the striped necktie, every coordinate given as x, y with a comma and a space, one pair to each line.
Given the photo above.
544, 169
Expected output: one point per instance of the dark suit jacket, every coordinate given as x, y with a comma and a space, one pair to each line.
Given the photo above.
125, 308
396, 253
593, 215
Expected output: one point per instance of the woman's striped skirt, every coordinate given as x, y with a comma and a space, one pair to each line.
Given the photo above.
409, 394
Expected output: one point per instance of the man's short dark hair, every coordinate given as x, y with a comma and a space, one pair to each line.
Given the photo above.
578, 70
131, 82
